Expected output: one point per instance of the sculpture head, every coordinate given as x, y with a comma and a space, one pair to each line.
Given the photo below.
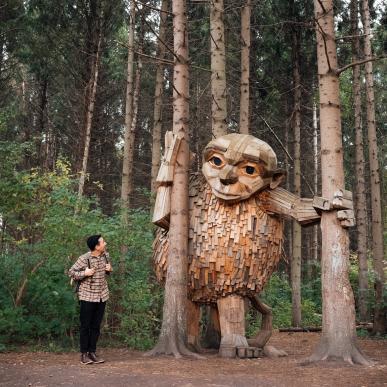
238, 165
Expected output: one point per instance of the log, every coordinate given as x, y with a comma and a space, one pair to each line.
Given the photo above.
367, 326
300, 329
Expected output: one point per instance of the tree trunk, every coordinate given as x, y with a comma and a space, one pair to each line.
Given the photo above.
173, 335
377, 226
157, 116
361, 201
296, 251
218, 69
288, 223
42, 137
245, 68
338, 340
129, 134
89, 117
315, 158
22, 288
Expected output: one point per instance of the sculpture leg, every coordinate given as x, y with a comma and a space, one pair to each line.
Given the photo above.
193, 326
232, 323
266, 331
212, 334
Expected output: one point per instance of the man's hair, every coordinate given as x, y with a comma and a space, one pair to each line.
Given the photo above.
92, 241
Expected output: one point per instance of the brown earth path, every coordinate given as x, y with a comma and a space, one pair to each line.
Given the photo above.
130, 368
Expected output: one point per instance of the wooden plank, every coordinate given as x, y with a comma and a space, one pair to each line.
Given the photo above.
321, 203
341, 203
162, 208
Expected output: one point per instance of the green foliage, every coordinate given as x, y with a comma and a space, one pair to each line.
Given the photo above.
42, 237
277, 295
354, 280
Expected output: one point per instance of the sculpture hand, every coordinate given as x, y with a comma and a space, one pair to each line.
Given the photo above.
342, 200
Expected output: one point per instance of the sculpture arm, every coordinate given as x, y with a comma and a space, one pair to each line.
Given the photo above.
307, 211
290, 206
164, 180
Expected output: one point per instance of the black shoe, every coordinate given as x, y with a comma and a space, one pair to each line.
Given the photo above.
95, 358
85, 359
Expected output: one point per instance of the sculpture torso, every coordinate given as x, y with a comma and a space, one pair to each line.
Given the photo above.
233, 247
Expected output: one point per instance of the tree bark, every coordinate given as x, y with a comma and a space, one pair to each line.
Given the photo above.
157, 115
288, 223
316, 159
361, 201
296, 251
380, 325
218, 69
338, 339
245, 69
89, 117
173, 335
127, 165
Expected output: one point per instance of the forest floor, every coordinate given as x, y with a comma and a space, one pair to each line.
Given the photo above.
129, 368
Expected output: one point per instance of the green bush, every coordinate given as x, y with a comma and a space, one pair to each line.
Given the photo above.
46, 210
277, 295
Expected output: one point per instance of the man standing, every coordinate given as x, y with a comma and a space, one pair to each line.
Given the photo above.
91, 269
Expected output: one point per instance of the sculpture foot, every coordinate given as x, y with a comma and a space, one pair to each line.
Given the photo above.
273, 352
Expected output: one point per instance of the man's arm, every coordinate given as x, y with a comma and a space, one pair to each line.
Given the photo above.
108, 266
78, 271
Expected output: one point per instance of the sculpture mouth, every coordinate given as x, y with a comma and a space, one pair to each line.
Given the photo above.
224, 195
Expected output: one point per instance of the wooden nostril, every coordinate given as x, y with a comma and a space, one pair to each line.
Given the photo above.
229, 180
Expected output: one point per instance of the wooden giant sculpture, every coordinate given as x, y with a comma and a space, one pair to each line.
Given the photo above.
236, 230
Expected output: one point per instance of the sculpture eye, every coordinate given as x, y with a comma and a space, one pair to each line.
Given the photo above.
216, 161
250, 170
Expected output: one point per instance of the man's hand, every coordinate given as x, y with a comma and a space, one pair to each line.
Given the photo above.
89, 272
108, 267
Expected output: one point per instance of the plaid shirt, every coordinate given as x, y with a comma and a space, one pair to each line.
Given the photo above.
93, 288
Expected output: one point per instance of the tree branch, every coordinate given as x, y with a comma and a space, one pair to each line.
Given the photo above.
158, 38
155, 9
286, 152
322, 6
155, 58
322, 32
212, 38
357, 63
22, 288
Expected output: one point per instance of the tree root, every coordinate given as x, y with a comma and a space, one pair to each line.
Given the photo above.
172, 346
326, 352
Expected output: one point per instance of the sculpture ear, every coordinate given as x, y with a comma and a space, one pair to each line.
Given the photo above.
278, 177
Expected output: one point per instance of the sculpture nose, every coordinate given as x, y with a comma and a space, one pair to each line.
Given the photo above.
228, 177
230, 180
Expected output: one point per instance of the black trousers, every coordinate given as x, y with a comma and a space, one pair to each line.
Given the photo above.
91, 317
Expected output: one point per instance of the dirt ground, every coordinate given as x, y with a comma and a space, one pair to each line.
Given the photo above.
130, 368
